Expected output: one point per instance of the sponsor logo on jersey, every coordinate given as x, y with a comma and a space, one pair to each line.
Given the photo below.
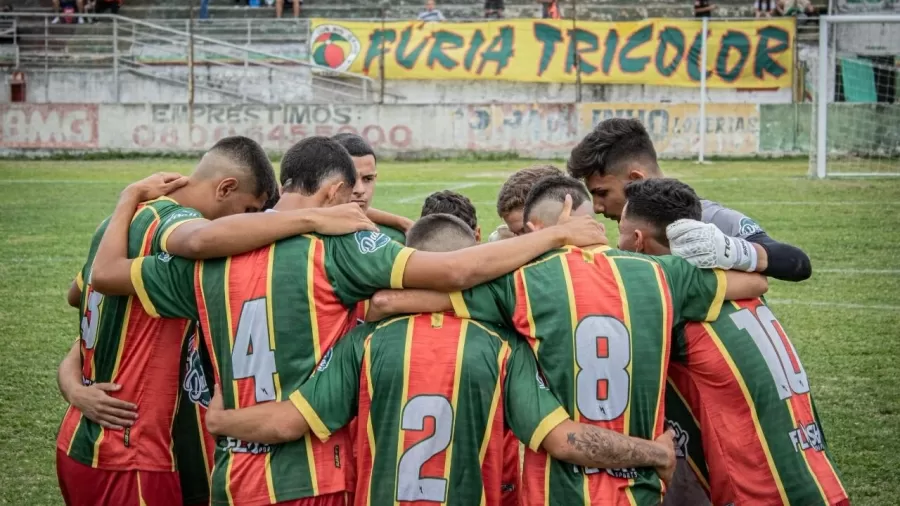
681, 439
540, 381
748, 227
237, 446
807, 436
323, 364
629, 473
164, 257
370, 242
194, 384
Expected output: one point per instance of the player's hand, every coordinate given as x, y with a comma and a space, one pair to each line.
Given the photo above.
155, 186
705, 246
579, 230
96, 403
215, 409
342, 219
667, 442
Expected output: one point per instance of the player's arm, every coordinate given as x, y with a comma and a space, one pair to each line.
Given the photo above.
200, 238
324, 404
744, 285
95, 401
401, 223
111, 273
392, 302
74, 296
782, 261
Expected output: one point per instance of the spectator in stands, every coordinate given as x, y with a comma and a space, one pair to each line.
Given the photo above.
764, 8
279, 7
67, 8
103, 6
549, 9
430, 13
795, 8
703, 9
493, 9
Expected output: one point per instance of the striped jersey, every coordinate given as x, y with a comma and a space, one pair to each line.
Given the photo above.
121, 343
268, 317
600, 324
194, 445
737, 386
362, 308
433, 394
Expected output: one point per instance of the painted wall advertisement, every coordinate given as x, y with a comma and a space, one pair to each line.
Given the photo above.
741, 54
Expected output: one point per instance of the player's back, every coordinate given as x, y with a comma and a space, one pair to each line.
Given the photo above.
122, 344
741, 375
431, 400
600, 324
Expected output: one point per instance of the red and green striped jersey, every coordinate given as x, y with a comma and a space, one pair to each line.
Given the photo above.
363, 306
600, 324
194, 445
121, 343
433, 394
268, 317
742, 385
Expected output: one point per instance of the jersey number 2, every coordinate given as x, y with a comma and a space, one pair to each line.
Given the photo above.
602, 352
784, 364
411, 486
252, 355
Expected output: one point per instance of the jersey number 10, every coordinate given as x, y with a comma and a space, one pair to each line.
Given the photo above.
784, 364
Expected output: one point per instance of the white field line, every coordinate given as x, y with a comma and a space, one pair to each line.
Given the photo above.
858, 271
841, 305
419, 197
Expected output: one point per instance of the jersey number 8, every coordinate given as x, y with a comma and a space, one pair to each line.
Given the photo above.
602, 352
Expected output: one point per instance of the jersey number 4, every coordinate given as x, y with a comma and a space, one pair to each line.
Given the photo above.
776, 348
411, 486
253, 354
602, 352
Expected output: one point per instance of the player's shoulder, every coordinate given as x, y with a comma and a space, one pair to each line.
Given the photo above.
364, 241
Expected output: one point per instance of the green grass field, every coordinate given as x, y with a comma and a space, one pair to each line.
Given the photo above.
844, 321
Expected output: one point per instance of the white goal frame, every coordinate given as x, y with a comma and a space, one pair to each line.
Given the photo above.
823, 97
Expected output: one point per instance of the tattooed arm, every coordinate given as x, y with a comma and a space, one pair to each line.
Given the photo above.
590, 446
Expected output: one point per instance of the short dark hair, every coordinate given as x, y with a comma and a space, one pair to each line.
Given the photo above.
610, 143
513, 192
310, 162
272, 200
355, 145
440, 232
450, 202
555, 188
660, 202
247, 153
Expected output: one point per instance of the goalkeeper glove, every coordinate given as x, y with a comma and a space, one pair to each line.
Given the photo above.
705, 246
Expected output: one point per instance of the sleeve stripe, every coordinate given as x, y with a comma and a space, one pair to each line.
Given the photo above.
400, 267
459, 305
138, 281
549, 423
312, 418
163, 241
79, 281
716, 306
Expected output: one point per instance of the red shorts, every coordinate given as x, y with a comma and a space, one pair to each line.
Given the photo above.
336, 499
83, 485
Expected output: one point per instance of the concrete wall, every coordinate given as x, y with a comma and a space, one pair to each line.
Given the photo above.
530, 130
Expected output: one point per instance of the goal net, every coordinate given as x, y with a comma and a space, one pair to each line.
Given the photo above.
855, 124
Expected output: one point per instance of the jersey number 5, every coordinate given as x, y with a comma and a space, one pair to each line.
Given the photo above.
411, 486
780, 355
602, 352
253, 355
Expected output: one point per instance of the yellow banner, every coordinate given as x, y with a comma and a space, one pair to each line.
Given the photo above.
666, 52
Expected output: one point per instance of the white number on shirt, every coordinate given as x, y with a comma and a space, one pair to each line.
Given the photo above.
91, 319
251, 356
410, 485
602, 352
788, 373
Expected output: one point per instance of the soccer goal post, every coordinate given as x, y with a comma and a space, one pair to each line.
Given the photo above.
855, 124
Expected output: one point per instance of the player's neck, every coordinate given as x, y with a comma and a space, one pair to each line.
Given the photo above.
191, 195
291, 201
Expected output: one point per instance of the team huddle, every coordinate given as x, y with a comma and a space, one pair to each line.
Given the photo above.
324, 352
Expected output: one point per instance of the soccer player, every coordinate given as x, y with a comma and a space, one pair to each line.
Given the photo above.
736, 383
600, 322
471, 379
454, 204
101, 449
269, 315
511, 199
364, 160
620, 150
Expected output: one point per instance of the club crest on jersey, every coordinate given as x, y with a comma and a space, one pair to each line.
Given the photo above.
681, 439
749, 227
195, 385
164, 257
370, 242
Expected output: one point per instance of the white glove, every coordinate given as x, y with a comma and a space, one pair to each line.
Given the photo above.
704, 245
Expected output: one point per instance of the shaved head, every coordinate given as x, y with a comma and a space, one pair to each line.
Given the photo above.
440, 233
240, 158
545, 201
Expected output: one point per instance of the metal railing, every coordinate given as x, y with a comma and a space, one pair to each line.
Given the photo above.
254, 70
